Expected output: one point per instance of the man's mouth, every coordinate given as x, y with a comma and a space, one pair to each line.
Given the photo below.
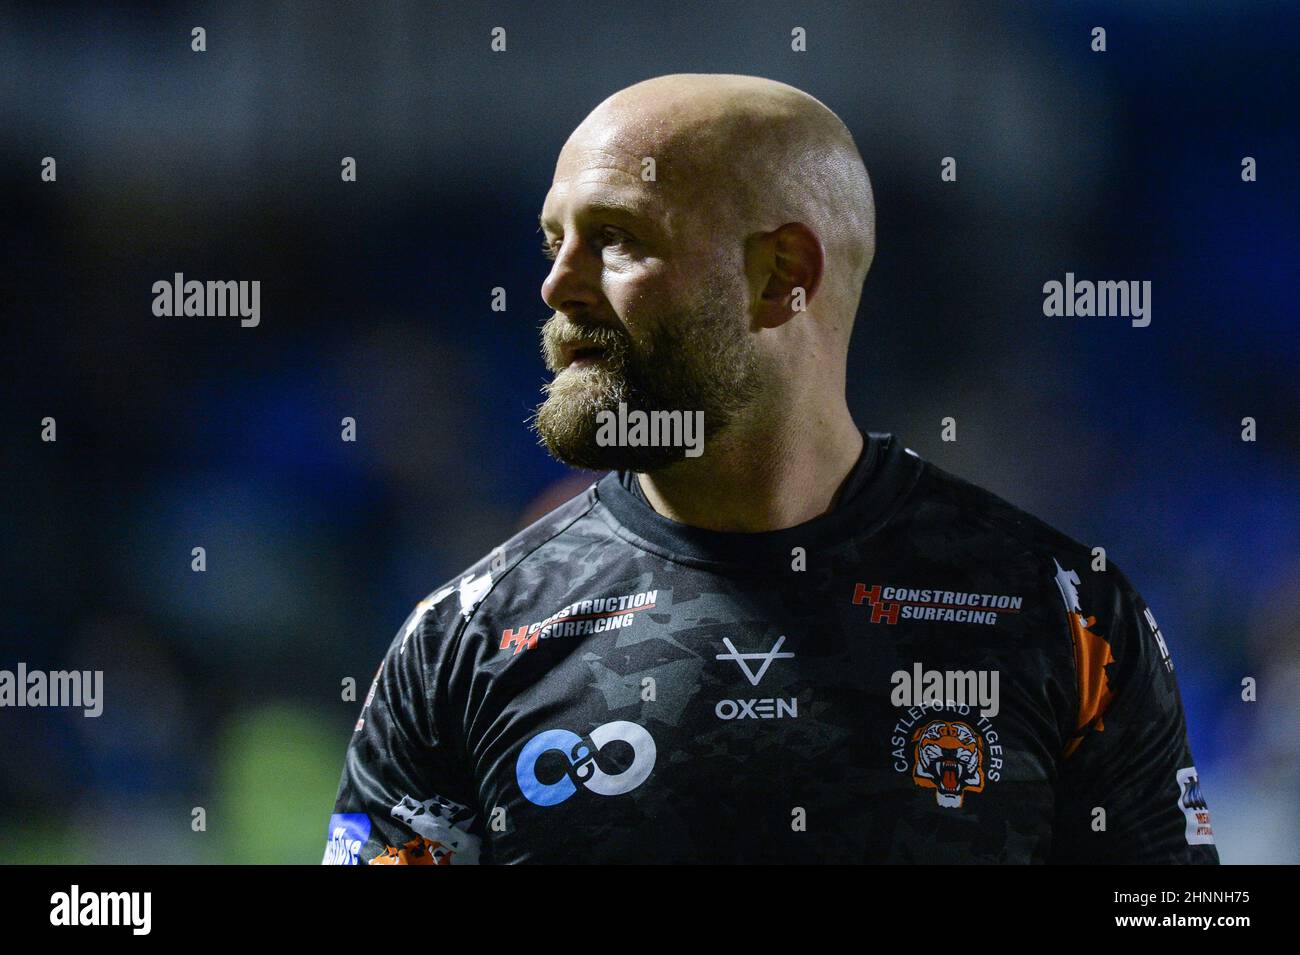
581, 356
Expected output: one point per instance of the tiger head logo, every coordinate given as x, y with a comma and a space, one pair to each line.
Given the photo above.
949, 758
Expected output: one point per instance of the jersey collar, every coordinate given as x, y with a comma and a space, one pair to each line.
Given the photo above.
878, 483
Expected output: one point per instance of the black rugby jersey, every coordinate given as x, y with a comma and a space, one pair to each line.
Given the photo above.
924, 674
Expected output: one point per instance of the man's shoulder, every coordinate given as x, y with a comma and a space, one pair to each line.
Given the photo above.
524, 560
952, 519
969, 509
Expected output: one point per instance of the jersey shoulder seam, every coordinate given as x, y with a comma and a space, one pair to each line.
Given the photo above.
496, 580
1006, 523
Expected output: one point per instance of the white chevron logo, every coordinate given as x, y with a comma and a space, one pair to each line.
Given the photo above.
743, 659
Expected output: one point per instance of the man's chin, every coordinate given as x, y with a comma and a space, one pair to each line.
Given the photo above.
590, 456
567, 425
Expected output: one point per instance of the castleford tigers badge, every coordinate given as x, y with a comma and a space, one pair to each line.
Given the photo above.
952, 751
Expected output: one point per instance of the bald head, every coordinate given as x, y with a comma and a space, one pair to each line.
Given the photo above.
743, 155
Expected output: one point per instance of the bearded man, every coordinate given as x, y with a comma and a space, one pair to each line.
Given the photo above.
792, 640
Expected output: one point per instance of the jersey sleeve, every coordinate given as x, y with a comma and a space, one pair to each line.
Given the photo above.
406, 796
1128, 790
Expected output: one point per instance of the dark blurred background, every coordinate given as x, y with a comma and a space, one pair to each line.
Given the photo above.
223, 688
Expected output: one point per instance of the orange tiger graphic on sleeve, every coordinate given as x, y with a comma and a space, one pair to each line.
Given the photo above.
419, 851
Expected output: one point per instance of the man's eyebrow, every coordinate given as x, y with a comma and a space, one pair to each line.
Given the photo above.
628, 208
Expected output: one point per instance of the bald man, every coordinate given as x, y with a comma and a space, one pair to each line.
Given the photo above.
764, 636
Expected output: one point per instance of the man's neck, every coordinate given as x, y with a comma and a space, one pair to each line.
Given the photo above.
760, 478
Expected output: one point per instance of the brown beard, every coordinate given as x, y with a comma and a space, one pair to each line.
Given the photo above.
699, 360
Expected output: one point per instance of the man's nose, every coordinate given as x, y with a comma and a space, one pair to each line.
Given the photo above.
574, 282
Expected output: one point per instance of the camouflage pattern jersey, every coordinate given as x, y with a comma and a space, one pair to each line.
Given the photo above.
610, 686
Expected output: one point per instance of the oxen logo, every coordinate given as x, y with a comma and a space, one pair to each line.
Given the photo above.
948, 757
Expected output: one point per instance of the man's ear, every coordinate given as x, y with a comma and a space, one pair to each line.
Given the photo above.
788, 263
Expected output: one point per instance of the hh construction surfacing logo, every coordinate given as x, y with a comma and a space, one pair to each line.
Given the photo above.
890, 604
580, 618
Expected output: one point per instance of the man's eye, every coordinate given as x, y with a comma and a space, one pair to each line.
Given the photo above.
615, 236
609, 236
